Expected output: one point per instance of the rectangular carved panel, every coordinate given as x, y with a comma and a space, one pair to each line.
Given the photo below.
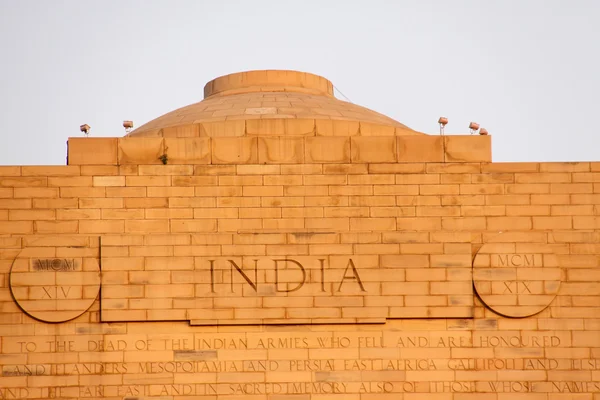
276, 280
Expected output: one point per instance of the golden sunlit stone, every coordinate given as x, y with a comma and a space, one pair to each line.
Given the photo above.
272, 242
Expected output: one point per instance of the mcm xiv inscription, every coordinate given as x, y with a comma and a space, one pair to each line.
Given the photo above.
54, 264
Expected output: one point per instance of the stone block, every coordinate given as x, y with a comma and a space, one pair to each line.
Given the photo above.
193, 226
31, 215
142, 150
195, 150
16, 227
78, 214
472, 148
280, 150
128, 169
161, 170
50, 227
369, 129
280, 127
144, 202
108, 181
197, 180
55, 203
146, 226
101, 202
99, 170
10, 170
51, 170
76, 181
327, 150
215, 170
418, 149
373, 149
102, 226
243, 150
181, 131
223, 128
92, 151
170, 191
35, 192
332, 127
148, 180
564, 166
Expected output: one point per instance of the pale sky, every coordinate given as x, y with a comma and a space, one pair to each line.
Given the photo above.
527, 70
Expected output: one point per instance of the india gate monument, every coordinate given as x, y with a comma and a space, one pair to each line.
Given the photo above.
274, 243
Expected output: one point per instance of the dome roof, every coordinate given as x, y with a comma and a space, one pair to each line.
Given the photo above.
271, 103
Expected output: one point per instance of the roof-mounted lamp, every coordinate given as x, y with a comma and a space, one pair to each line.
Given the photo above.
443, 121
85, 128
128, 125
473, 127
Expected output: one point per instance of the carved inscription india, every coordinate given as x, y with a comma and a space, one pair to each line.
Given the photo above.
284, 275
282, 290
232, 286
232, 290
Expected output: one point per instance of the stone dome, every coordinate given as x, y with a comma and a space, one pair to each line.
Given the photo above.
272, 102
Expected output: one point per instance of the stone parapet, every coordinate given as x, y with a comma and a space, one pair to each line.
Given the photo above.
278, 150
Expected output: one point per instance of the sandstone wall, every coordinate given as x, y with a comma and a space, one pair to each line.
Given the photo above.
299, 268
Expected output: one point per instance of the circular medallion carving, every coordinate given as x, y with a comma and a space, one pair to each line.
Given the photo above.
516, 279
55, 283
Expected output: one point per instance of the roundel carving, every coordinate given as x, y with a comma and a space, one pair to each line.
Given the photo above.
516, 279
55, 283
